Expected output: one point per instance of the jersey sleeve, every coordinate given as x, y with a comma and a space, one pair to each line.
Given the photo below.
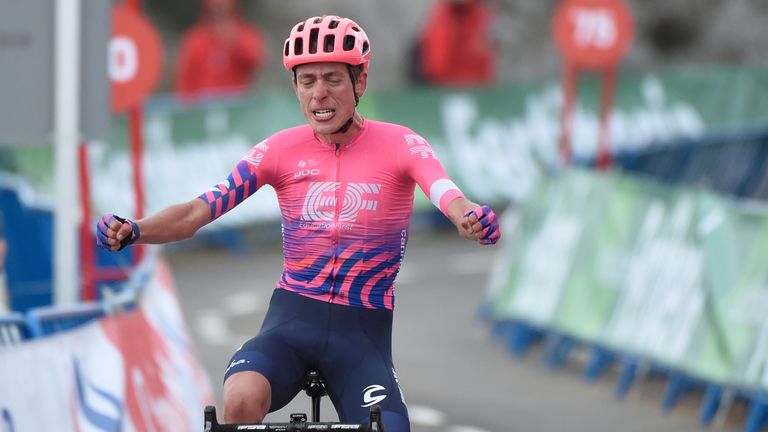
420, 162
252, 172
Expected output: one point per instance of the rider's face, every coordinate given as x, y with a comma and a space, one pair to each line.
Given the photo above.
325, 95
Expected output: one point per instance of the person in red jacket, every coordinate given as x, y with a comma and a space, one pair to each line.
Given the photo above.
455, 46
219, 55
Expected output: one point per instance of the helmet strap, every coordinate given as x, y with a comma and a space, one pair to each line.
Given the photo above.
345, 127
354, 92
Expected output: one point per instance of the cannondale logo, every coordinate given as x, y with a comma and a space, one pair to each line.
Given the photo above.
320, 202
369, 398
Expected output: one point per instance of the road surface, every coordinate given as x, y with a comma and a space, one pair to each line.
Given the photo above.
455, 376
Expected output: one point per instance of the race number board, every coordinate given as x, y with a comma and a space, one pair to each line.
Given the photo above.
592, 35
134, 58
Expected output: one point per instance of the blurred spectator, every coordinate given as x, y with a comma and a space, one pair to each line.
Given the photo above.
455, 46
220, 54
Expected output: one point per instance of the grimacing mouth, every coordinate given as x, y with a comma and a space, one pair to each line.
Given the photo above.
323, 113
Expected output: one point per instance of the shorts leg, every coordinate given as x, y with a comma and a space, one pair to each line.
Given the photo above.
282, 351
356, 386
269, 356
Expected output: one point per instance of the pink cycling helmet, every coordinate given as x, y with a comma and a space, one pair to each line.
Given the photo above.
327, 39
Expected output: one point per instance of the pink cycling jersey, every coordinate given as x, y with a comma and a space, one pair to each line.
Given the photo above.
345, 208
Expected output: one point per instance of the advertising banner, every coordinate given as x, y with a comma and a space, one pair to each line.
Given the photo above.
732, 343
497, 142
132, 371
673, 275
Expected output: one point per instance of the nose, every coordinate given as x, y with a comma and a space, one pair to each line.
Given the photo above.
320, 91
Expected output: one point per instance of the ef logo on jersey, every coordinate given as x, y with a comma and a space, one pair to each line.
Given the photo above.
321, 201
256, 154
419, 146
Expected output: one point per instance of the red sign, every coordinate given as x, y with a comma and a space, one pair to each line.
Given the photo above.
593, 34
134, 58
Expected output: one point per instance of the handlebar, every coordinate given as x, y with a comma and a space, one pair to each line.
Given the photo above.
298, 423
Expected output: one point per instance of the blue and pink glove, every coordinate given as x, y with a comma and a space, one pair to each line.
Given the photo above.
102, 232
487, 218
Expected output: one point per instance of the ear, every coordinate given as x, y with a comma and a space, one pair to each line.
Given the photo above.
361, 84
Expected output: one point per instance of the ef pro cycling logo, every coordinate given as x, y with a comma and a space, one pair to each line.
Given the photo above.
369, 398
320, 202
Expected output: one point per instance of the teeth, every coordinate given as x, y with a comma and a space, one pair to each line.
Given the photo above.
326, 113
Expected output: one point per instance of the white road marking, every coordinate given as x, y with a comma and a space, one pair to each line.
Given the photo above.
243, 303
212, 327
213, 324
425, 416
465, 429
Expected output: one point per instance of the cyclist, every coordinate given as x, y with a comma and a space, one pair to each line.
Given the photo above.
345, 187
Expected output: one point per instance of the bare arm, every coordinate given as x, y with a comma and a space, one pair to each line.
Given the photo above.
177, 222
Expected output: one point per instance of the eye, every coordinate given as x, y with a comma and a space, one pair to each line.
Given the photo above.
334, 79
306, 81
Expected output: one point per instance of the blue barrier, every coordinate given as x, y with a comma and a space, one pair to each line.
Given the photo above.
28, 230
729, 163
600, 360
758, 413
47, 320
29, 233
557, 347
678, 384
13, 329
522, 336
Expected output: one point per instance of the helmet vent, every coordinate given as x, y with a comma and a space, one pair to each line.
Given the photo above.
298, 47
328, 43
349, 42
285, 49
301, 27
318, 20
365, 47
313, 40
355, 28
333, 24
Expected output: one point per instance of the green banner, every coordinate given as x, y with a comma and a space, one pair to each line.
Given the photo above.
497, 142
733, 339
669, 274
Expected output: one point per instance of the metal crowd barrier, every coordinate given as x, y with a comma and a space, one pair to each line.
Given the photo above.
13, 329
47, 320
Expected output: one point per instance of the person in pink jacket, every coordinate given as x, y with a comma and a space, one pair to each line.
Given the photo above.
345, 185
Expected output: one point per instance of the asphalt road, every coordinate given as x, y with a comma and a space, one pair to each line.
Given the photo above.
455, 376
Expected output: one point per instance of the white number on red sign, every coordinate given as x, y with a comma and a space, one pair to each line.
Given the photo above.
594, 28
123, 59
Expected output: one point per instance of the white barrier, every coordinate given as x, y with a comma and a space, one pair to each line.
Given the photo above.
132, 371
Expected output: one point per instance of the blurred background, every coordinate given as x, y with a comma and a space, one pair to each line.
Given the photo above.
628, 157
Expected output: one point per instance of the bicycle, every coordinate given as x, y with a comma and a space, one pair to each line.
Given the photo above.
315, 389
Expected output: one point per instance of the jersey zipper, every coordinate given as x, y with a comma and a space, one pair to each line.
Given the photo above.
335, 233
